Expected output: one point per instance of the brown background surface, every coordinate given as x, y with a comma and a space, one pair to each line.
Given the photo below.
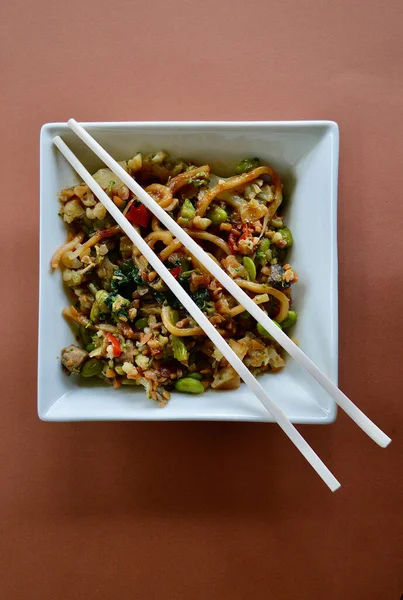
207, 510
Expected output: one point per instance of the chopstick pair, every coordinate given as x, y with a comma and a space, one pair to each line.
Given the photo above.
355, 413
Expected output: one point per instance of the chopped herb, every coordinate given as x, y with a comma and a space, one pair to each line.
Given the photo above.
200, 297
126, 279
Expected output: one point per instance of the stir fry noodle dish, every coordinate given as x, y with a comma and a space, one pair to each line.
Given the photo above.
130, 329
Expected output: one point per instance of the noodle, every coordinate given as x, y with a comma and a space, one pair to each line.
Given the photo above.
55, 262
188, 176
166, 315
98, 237
159, 236
237, 310
170, 249
161, 194
230, 184
266, 289
209, 237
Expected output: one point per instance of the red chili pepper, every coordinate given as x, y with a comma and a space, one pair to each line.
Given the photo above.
232, 239
139, 215
116, 347
245, 233
175, 272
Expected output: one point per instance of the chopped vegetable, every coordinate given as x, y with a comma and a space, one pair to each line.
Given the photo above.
141, 323
290, 320
247, 164
120, 308
261, 254
100, 298
263, 331
217, 215
92, 367
175, 272
188, 385
126, 279
250, 267
197, 376
186, 213
180, 351
116, 347
287, 236
139, 215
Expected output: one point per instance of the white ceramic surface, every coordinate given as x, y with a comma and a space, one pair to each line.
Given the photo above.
306, 155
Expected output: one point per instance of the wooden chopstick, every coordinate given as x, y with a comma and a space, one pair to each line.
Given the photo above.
201, 319
372, 430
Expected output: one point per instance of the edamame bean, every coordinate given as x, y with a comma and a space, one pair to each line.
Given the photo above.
250, 267
217, 215
90, 347
141, 323
290, 319
92, 367
261, 254
263, 331
287, 236
189, 385
119, 370
197, 376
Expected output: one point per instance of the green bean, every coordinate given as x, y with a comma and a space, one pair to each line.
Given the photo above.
189, 385
141, 323
263, 331
250, 267
92, 367
198, 376
290, 319
247, 164
217, 215
179, 348
287, 236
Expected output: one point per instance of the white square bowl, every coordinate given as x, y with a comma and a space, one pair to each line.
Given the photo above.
305, 153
